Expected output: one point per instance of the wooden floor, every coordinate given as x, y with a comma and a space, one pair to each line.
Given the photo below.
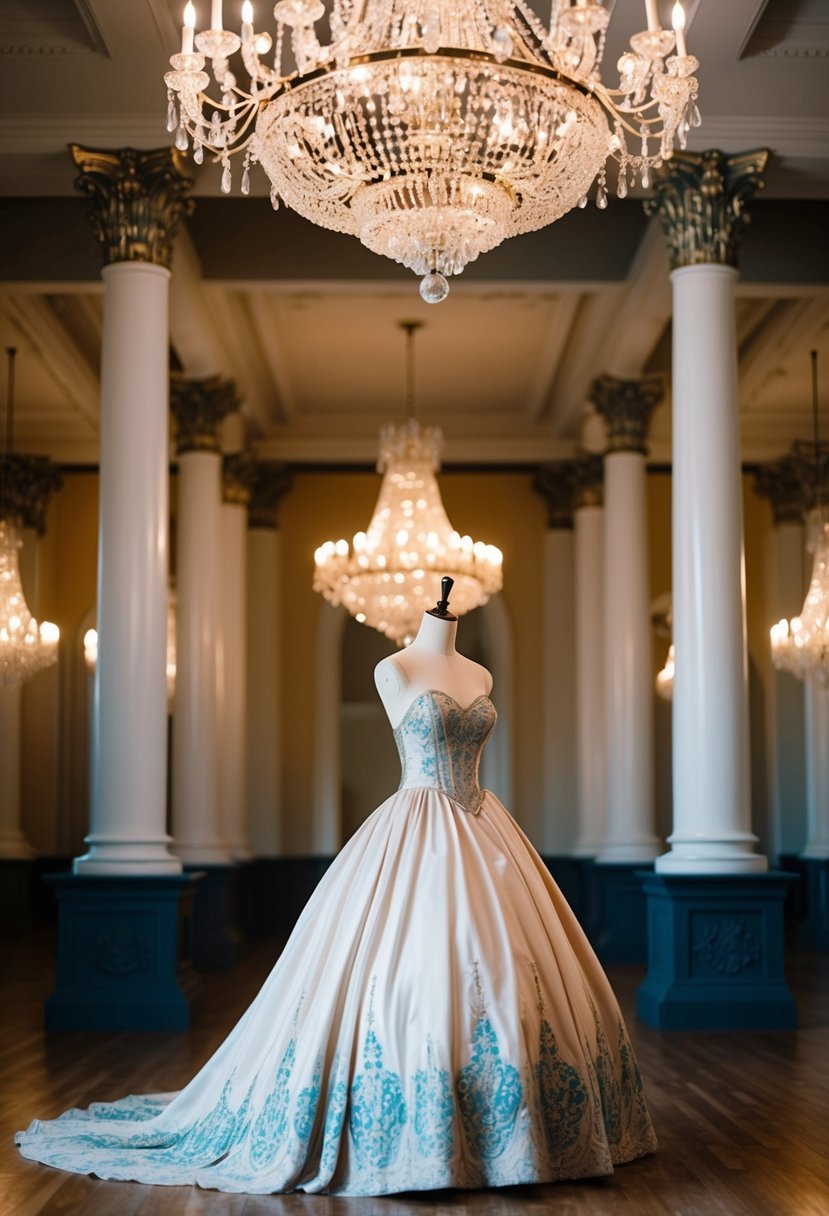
743, 1120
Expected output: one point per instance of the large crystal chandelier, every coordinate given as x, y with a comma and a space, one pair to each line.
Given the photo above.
432, 130
25, 646
801, 645
391, 573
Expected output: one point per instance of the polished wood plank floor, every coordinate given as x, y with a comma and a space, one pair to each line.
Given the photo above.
743, 1120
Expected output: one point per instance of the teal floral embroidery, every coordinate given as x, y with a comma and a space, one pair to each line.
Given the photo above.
270, 1126
489, 1094
334, 1119
212, 1136
440, 744
378, 1109
306, 1107
434, 1111
562, 1096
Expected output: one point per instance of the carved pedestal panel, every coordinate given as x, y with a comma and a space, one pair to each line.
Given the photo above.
715, 953
124, 953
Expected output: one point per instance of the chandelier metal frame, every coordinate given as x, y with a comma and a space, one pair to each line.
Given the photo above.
433, 130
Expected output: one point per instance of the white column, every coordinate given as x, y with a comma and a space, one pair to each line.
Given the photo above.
129, 782
13, 844
263, 692
196, 797
711, 787
232, 672
817, 772
559, 825
590, 675
626, 406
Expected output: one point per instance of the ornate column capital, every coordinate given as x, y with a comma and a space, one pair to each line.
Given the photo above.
28, 484
626, 406
238, 473
700, 198
555, 483
137, 199
271, 482
588, 481
781, 483
198, 406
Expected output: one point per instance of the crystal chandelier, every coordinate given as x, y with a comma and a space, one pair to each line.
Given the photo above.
665, 677
90, 647
432, 130
391, 573
25, 646
801, 645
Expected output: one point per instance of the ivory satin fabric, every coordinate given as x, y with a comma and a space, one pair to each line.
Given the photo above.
437, 1019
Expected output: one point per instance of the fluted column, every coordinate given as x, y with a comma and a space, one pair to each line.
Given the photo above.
591, 747
626, 406
554, 483
781, 483
137, 199
198, 407
263, 757
231, 666
700, 198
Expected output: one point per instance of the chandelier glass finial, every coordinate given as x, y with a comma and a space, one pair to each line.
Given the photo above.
801, 645
432, 130
25, 646
390, 574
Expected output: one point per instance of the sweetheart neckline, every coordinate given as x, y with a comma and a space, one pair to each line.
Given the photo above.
484, 696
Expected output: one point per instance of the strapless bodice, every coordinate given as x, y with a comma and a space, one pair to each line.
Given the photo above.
440, 744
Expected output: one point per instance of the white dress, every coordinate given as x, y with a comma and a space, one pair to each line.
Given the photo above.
437, 1019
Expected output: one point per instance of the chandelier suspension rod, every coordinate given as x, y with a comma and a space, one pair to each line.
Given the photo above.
815, 417
410, 328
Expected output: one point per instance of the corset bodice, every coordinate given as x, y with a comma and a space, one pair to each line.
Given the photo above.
440, 744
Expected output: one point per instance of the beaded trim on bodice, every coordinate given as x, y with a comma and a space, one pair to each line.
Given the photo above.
440, 743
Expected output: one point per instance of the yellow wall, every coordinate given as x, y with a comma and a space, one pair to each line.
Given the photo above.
500, 508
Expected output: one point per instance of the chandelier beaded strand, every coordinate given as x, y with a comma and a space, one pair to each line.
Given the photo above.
432, 130
390, 575
25, 646
801, 645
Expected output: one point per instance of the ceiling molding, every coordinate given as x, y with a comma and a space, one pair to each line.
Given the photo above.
802, 137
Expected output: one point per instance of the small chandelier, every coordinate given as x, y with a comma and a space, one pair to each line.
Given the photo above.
391, 573
25, 646
801, 645
90, 647
432, 131
665, 677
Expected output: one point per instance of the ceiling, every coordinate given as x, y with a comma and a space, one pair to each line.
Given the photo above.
307, 322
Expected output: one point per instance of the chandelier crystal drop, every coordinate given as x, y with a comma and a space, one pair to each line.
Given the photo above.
25, 646
801, 645
390, 574
432, 130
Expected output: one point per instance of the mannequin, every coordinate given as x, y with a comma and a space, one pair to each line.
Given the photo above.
430, 663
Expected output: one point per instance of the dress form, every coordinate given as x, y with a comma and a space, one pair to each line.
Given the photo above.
430, 662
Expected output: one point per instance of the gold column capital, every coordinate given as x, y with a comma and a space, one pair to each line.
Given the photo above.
238, 473
137, 200
792, 483
198, 406
588, 481
555, 483
700, 198
271, 482
28, 484
626, 407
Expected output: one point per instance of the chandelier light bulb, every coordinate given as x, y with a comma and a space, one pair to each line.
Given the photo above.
433, 134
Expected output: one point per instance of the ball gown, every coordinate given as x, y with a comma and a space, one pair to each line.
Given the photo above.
436, 1019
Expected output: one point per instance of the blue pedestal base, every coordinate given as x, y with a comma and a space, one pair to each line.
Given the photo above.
715, 953
123, 953
619, 923
216, 940
813, 930
568, 874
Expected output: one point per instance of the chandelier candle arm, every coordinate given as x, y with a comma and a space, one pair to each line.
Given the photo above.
433, 131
